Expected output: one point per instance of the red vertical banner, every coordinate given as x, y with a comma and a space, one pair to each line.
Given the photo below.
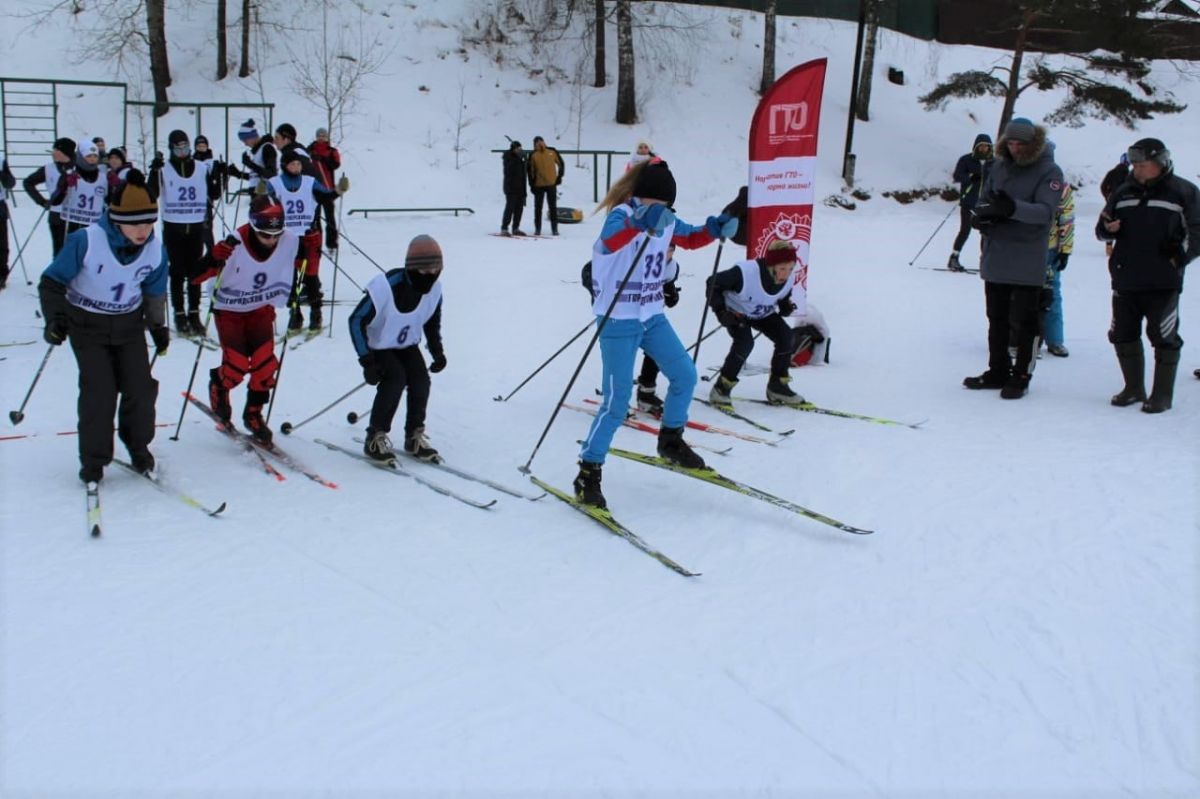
783, 166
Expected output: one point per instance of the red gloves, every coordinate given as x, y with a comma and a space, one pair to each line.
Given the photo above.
224, 248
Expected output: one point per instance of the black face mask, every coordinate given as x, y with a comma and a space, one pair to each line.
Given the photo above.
423, 281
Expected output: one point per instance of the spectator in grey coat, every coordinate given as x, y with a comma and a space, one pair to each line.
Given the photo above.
1016, 207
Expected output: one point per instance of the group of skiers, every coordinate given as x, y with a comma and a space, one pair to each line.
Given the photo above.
110, 275
1024, 210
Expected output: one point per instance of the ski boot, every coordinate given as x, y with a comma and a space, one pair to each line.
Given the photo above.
648, 401
182, 326
720, 393
143, 462
587, 485
295, 321
218, 397
778, 391
252, 416
953, 265
91, 474
673, 448
314, 320
378, 447
195, 324
417, 445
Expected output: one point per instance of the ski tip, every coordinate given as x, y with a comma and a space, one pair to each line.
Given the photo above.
786, 433
497, 398
488, 505
220, 509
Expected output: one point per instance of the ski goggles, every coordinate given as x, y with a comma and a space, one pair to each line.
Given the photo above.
1136, 155
181, 150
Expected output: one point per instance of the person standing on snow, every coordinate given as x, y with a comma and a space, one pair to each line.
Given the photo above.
513, 162
83, 193
640, 225
1153, 221
105, 313
1062, 242
326, 160
545, 168
256, 272
969, 173
643, 151
756, 295
401, 307
62, 158
184, 188
1016, 207
261, 159
301, 195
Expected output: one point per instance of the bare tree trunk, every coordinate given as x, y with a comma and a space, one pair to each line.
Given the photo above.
600, 77
244, 71
1014, 74
160, 67
862, 108
768, 70
222, 45
626, 93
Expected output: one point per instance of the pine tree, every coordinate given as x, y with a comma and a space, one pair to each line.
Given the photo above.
1090, 87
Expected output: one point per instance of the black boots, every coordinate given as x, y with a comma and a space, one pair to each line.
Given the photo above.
778, 391
991, 379
378, 447
1166, 362
142, 461
195, 324
953, 265
722, 390
218, 396
648, 401
182, 326
1015, 387
587, 485
417, 445
673, 448
1132, 359
252, 417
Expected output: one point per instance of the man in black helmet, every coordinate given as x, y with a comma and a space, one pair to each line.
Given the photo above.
1153, 221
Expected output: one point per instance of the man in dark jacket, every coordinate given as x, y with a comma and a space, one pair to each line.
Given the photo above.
1016, 207
969, 173
1153, 221
514, 190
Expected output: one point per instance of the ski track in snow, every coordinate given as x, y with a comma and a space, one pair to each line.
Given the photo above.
1023, 622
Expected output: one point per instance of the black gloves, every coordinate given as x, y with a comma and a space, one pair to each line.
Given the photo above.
670, 294
786, 306
997, 206
371, 371
729, 319
585, 277
157, 163
56, 331
1061, 264
438, 363
162, 339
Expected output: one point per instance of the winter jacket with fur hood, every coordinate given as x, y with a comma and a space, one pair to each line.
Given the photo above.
1014, 249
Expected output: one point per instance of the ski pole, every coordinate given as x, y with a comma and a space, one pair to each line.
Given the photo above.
20, 250
935, 232
293, 305
199, 352
545, 363
707, 299
342, 235
18, 415
599, 328
333, 293
287, 427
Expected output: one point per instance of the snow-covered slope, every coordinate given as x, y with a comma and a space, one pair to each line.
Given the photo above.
1023, 622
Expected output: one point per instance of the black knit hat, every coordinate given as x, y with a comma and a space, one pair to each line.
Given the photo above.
131, 202
287, 129
177, 137
119, 153
201, 139
655, 182
65, 146
291, 154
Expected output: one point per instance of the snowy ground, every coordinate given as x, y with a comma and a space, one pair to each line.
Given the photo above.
1023, 623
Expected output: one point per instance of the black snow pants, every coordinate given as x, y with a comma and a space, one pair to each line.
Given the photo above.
400, 369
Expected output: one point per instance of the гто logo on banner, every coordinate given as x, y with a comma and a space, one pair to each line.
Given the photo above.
788, 121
